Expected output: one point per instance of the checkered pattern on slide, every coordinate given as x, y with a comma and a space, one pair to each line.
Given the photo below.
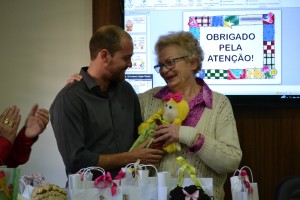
216, 74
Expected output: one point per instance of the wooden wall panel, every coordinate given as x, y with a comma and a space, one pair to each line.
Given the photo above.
106, 12
269, 137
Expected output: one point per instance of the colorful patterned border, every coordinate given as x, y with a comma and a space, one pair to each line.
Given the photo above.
267, 71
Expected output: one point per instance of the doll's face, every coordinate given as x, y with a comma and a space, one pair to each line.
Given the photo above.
170, 112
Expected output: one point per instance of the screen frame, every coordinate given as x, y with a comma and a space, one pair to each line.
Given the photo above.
248, 101
264, 101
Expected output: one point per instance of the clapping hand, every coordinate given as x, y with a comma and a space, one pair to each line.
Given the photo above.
9, 123
36, 121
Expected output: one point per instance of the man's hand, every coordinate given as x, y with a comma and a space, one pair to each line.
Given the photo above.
148, 155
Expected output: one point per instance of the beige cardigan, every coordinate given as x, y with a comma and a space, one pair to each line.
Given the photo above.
220, 153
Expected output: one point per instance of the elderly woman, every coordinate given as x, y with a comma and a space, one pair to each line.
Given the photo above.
208, 136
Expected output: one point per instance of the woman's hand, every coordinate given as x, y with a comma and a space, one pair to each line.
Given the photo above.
166, 134
36, 122
9, 123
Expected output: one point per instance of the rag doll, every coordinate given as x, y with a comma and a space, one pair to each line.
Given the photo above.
174, 111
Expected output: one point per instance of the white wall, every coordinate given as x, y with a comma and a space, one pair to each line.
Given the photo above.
41, 44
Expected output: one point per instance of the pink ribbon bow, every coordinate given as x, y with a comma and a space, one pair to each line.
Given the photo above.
245, 180
119, 176
106, 179
193, 196
176, 97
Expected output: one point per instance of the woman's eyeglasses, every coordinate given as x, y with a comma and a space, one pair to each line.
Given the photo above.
169, 64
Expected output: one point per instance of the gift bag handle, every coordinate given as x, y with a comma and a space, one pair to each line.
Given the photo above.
83, 172
94, 169
145, 166
236, 172
135, 165
191, 171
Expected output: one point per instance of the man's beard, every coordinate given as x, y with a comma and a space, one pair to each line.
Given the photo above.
117, 79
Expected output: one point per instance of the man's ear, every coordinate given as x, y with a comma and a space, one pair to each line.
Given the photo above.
104, 55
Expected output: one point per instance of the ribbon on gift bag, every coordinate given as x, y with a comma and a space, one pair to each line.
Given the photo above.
131, 171
243, 186
190, 188
81, 185
137, 184
9, 182
105, 181
118, 179
136, 174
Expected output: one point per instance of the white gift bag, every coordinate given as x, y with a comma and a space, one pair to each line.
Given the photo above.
242, 185
137, 184
238, 191
25, 189
82, 187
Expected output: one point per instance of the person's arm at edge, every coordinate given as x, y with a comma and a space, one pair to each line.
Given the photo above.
21, 149
5, 149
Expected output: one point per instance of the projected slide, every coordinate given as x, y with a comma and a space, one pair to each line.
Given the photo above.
250, 47
241, 47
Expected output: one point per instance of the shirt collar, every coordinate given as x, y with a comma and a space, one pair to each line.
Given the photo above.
92, 85
89, 81
206, 93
